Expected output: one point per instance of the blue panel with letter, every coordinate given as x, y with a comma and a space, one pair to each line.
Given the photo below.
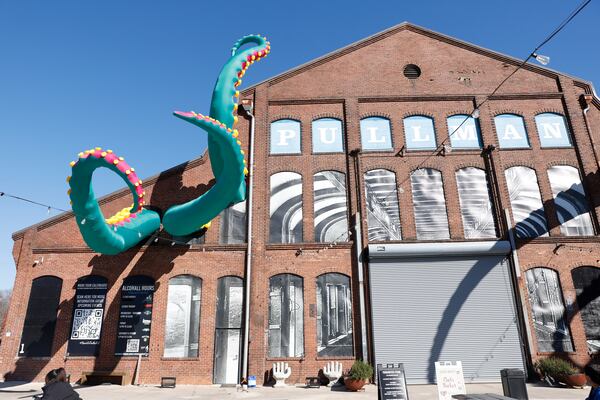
375, 133
511, 131
419, 133
464, 132
285, 137
327, 136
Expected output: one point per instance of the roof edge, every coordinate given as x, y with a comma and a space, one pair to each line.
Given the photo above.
414, 28
114, 195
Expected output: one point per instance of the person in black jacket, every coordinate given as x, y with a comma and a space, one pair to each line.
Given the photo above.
56, 388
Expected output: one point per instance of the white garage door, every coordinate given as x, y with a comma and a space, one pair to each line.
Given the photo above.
444, 302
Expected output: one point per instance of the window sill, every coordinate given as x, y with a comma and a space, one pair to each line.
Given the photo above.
284, 154
33, 358
180, 359
333, 358
69, 357
276, 359
308, 246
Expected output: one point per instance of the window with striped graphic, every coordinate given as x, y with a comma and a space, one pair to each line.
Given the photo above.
431, 218
526, 202
381, 198
570, 202
475, 203
330, 207
285, 208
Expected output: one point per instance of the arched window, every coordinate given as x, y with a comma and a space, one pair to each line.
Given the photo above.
419, 133
383, 216
431, 219
40, 317
286, 316
327, 136
228, 327
552, 130
183, 316
334, 316
464, 132
526, 202
475, 203
88, 313
548, 310
286, 137
285, 208
587, 286
511, 131
331, 211
233, 224
570, 202
375, 134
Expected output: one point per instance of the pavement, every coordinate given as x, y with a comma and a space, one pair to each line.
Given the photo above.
16, 390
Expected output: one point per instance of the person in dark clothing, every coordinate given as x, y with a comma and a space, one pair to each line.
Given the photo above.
56, 388
593, 375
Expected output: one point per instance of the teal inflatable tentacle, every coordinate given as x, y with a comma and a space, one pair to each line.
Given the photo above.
226, 156
133, 224
185, 219
223, 105
121, 231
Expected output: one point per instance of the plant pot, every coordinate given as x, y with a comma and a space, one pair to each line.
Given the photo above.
574, 380
354, 385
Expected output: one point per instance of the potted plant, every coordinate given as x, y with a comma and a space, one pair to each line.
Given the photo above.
559, 370
358, 376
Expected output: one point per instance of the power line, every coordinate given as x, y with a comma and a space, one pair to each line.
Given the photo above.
49, 207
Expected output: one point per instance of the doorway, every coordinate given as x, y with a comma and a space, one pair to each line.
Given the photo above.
228, 326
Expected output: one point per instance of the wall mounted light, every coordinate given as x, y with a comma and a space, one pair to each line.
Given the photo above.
544, 60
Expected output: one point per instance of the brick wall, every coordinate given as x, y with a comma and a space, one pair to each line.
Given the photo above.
360, 81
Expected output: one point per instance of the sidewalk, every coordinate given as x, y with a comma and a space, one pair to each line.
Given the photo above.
14, 390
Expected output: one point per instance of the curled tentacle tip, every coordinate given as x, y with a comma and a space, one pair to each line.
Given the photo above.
72, 163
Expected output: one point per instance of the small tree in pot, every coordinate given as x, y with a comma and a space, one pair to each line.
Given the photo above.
358, 376
554, 369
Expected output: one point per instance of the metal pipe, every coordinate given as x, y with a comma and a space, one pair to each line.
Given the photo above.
361, 287
519, 296
248, 249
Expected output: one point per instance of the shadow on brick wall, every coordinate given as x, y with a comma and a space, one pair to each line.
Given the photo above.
155, 260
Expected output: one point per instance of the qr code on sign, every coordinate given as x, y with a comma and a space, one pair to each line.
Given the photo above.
133, 346
87, 324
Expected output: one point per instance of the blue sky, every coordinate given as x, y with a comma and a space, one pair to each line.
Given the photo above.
75, 74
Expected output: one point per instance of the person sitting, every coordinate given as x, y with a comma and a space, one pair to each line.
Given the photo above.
592, 373
57, 388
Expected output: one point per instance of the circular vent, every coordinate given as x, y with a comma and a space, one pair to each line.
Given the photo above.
411, 71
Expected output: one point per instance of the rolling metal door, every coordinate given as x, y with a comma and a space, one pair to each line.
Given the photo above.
444, 302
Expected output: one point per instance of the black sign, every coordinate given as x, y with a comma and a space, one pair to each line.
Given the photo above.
88, 312
135, 316
392, 382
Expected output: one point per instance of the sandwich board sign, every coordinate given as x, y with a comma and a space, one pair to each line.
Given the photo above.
392, 382
450, 379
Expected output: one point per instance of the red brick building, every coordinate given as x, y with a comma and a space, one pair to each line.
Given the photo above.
388, 224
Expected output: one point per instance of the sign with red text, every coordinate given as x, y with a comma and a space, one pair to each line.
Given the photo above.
450, 379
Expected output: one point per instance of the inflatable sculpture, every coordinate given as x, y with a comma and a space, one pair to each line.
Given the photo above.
133, 224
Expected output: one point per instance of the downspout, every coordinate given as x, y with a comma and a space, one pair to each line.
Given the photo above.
359, 258
361, 287
247, 281
519, 297
586, 100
